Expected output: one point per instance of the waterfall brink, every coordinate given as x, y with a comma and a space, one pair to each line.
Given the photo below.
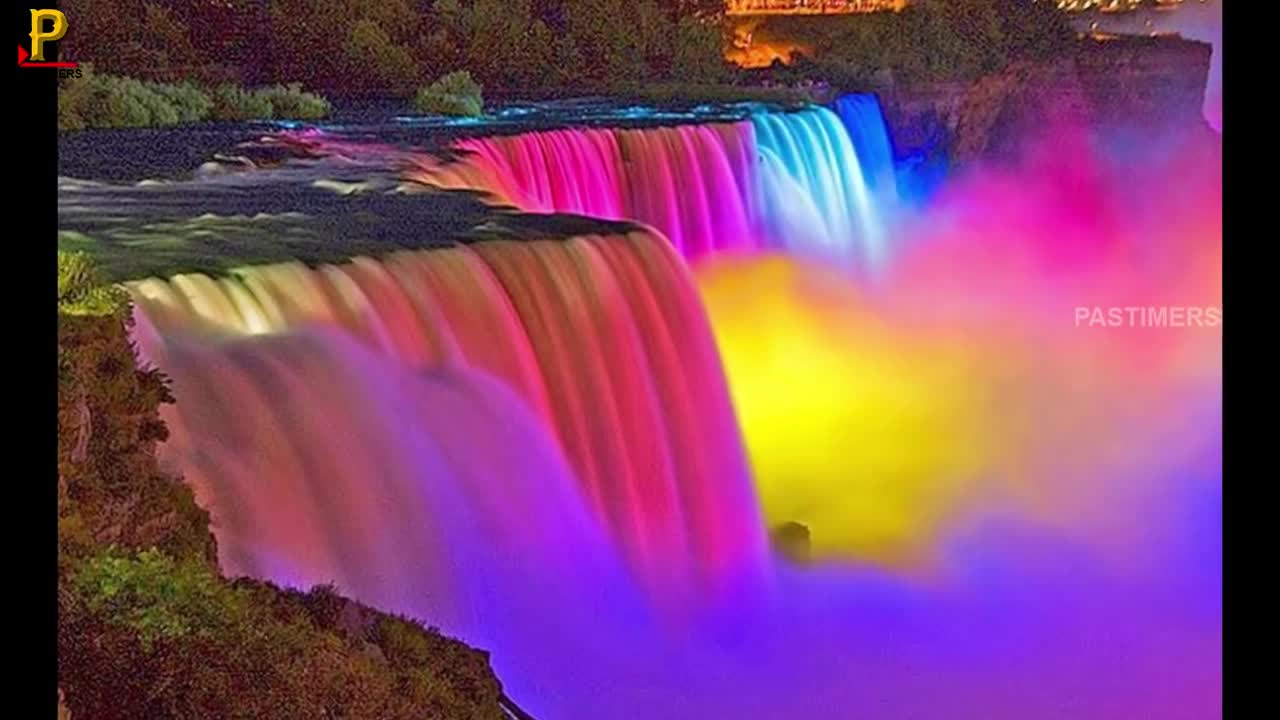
602, 338
690, 182
785, 180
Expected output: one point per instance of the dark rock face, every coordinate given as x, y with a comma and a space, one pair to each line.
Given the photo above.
1139, 84
1150, 81
791, 540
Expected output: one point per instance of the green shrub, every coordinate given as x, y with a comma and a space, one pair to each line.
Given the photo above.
158, 598
74, 100
233, 103
106, 101
145, 635
159, 110
83, 291
125, 103
190, 102
291, 102
453, 94
97, 100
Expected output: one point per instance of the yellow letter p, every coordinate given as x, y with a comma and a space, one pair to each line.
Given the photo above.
39, 36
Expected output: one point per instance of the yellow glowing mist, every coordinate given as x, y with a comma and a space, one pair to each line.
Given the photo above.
867, 433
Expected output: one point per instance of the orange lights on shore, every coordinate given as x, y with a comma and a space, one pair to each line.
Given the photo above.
1117, 5
763, 55
750, 51
810, 7
844, 7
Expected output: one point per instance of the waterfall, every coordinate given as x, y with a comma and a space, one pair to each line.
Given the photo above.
787, 180
323, 462
603, 339
864, 121
690, 182
811, 151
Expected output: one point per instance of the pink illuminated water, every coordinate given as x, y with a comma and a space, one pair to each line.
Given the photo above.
603, 338
779, 180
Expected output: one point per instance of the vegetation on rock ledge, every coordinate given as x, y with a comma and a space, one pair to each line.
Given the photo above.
99, 100
147, 625
453, 94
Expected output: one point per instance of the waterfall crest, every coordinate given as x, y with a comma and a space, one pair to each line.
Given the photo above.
779, 180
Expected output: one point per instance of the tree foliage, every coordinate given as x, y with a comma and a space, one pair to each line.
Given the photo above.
931, 39
389, 47
83, 291
372, 57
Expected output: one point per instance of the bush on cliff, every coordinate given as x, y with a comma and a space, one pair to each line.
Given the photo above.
98, 100
145, 635
148, 627
283, 102
291, 102
232, 103
111, 490
453, 94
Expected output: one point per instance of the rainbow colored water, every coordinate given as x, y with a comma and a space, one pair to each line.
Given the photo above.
571, 452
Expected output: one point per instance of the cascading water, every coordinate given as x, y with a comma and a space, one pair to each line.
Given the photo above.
790, 180
321, 461
809, 162
603, 338
864, 121
691, 182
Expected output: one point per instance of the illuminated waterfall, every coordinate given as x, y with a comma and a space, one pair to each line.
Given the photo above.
865, 123
603, 338
531, 444
322, 461
789, 180
690, 182
810, 164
